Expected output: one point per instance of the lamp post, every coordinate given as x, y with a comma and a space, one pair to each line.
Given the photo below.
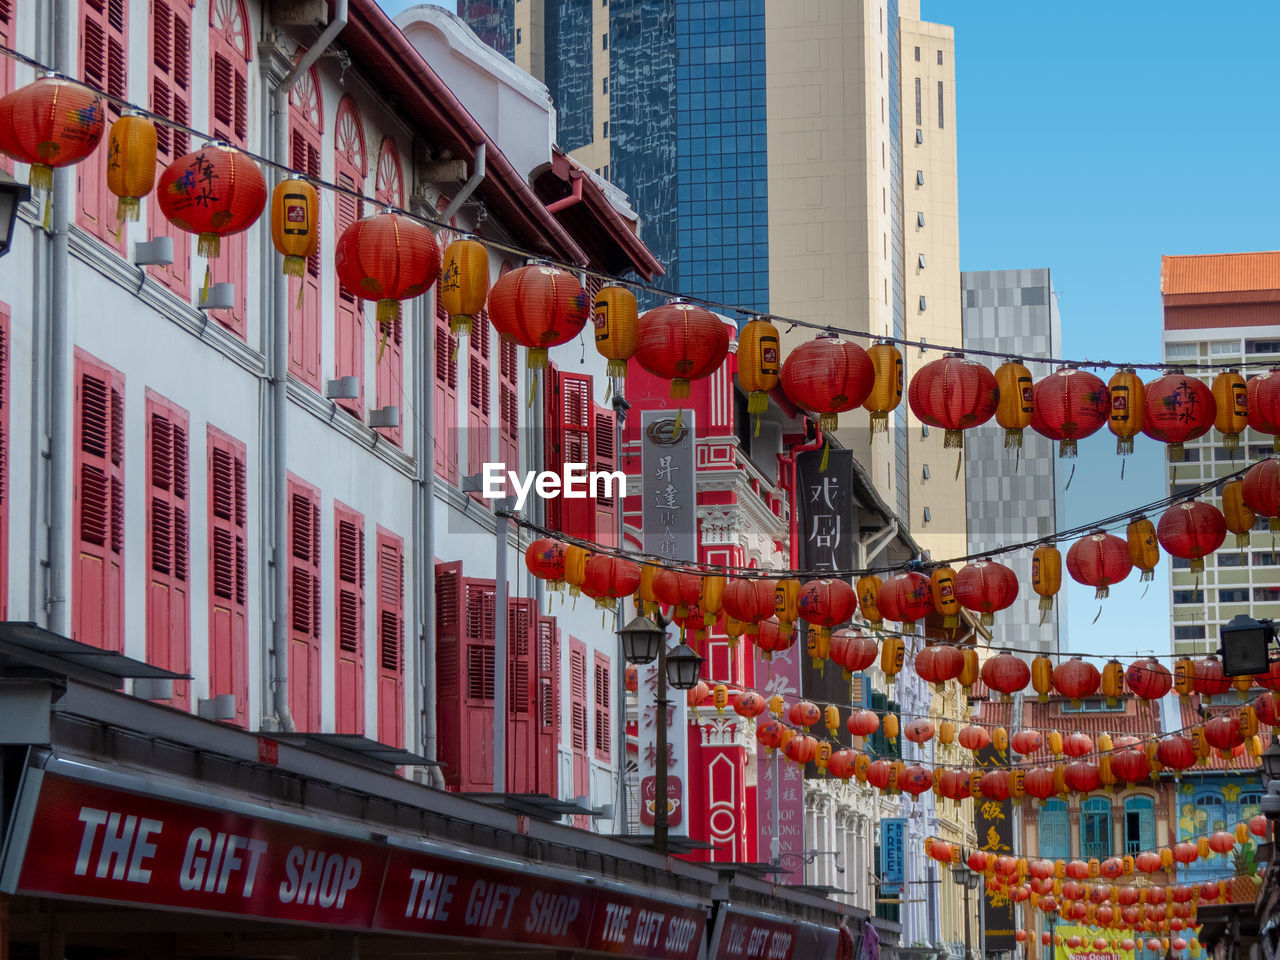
1246, 644
12, 193
968, 880
644, 641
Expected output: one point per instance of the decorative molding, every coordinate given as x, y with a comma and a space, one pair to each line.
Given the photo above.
718, 731
721, 528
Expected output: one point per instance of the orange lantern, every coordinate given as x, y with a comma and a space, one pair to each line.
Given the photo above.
1042, 677
681, 342
1112, 685
828, 376
786, 603
759, 357
1144, 550
942, 585
1239, 518
648, 600
295, 221
886, 390
711, 599
868, 589
969, 672
218, 191
1231, 397
720, 697
464, 283
1046, 576
1128, 398
131, 164
1013, 412
52, 123
575, 568
538, 306
891, 657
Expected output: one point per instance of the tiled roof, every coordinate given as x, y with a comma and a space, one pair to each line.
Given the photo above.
1192, 712
1141, 718
1220, 273
993, 712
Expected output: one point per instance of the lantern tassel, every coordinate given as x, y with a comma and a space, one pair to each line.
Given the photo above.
757, 433
1147, 575
1242, 539
40, 177
953, 439
608, 390
1197, 565
533, 386
879, 421
537, 358
204, 291
826, 456
1124, 446
1013, 438
616, 368
675, 431
1102, 592
208, 245
959, 463
382, 346
1067, 449
1096, 616
1067, 485
1176, 451
679, 388
292, 266
301, 288
128, 208
1122, 463
48, 211
460, 324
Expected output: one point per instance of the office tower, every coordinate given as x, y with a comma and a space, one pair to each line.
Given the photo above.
1014, 498
1222, 308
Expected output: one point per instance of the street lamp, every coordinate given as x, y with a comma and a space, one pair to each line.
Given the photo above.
644, 641
1245, 645
12, 193
1271, 760
969, 880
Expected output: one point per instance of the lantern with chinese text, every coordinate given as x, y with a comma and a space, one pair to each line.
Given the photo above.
804, 714
545, 559
868, 589
906, 597
52, 123
986, 586
681, 342
786, 599
828, 376
218, 191
1184, 677
1099, 560
915, 780
1261, 490
769, 732
1111, 868
955, 394
1046, 576
131, 167
748, 601
886, 390
1192, 531
1236, 513
1231, 401
1264, 404
892, 654
1070, 405
801, 749
609, 578
1127, 396
938, 664
538, 306
1144, 550
1076, 679
825, 604
1006, 674
1015, 406
1208, 678
759, 357
1149, 679
1178, 408
942, 582
749, 704
1042, 677
295, 222
464, 285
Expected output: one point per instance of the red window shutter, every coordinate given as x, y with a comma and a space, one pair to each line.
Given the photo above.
348, 592
578, 717
604, 459
577, 516
479, 446
603, 715
446, 399
552, 440
450, 680
98, 506
104, 44
479, 620
228, 109
169, 78
522, 721
350, 167
228, 576
4, 456
168, 526
306, 127
304, 604
390, 638
548, 706
508, 405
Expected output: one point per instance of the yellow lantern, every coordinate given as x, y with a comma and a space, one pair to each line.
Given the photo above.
1104, 742
886, 391
1248, 721
1231, 395
1042, 677
720, 697
1105, 776
1184, 677
1126, 865
777, 705
891, 724
131, 164
1144, 549
575, 568
1112, 686
861, 763
819, 647
1154, 765
1015, 408
295, 224
969, 675
1239, 517
1166, 859
1128, 401
1000, 739
464, 285
648, 573
617, 326
759, 357
1254, 744
822, 757
709, 599
868, 592
946, 733
1242, 833
785, 604
943, 585
975, 790
1055, 743
831, 717
891, 656
1095, 867
1046, 576
734, 629
1017, 790
1059, 873
787, 736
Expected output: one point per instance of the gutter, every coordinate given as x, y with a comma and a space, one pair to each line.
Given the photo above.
575, 196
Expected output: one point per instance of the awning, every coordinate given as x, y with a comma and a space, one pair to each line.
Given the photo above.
741, 934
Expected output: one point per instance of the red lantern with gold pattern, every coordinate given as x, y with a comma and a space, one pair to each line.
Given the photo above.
53, 123
538, 306
1263, 393
828, 376
938, 664
1149, 679
1178, 408
1070, 404
986, 586
955, 394
609, 578
1076, 679
1261, 492
218, 191
826, 603
906, 597
1006, 674
1192, 531
1099, 560
682, 342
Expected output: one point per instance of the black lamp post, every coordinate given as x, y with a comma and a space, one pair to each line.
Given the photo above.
12, 193
1271, 761
968, 880
644, 641
1246, 645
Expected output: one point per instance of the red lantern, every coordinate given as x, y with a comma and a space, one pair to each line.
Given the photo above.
1130, 766
1258, 826
860, 652
985, 587
1111, 867
1076, 679
1026, 742
863, 723
938, 664
828, 376
1178, 408
675, 588
545, 560
826, 603
1208, 679
748, 601
906, 597
53, 123
801, 749
1268, 705
1221, 842
878, 774
749, 704
1176, 752
1077, 744
995, 785
954, 785
955, 394
1074, 942
770, 639
1006, 674
1192, 531
1185, 853
1149, 679
1210, 890
1046, 938
1147, 861
804, 714
940, 850
1006, 866
1020, 936
973, 737
769, 731
538, 306
1070, 404
387, 258
1178, 944
1261, 490
681, 342
915, 780
1099, 560
218, 191
608, 578
1083, 777
841, 764
1263, 400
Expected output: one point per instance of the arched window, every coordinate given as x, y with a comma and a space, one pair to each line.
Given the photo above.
350, 166
306, 126
389, 191
1211, 816
229, 56
390, 184
1139, 824
1055, 830
1095, 828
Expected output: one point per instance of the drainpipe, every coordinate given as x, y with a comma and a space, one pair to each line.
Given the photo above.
279, 378
787, 463
570, 200
468, 188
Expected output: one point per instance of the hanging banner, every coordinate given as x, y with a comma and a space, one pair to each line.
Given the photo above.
993, 823
670, 523
1086, 950
779, 783
893, 855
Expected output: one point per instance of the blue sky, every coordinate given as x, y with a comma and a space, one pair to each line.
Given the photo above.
1093, 138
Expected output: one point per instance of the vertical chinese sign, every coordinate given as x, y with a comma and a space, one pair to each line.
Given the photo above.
993, 824
893, 856
670, 523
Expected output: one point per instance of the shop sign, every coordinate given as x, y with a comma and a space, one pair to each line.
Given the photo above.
993, 825
1086, 950
893, 855
748, 936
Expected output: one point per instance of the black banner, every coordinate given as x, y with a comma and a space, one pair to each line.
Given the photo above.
993, 823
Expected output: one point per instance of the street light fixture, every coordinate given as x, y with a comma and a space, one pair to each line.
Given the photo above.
12, 194
970, 881
1271, 761
1246, 644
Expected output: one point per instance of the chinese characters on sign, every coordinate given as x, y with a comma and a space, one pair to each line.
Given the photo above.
893, 855
782, 676
827, 524
994, 828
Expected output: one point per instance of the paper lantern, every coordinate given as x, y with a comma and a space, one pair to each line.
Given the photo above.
1236, 513
51, 123
464, 285
1223, 733
974, 737
1015, 406
954, 394
609, 578
759, 358
969, 672
749, 704
1112, 685
804, 714
828, 376
770, 639
986, 586
1127, 396
711, 598
801, 749
1099, 560
1077, 744
1263, 398
938, 664
842, 764
1261, 489
1144, 549
218, 191
295, 223
748, 601
575, 568
886, 389
131, 164
1178, 408
954, 785
892, 653
1176, 752
545, 559
915, 780
995, 785
942, 582
675, 588
1026, 742
1191, 531
1149, 679
1221, 842
1042, 677
906, 598
868, 589
826, 603
859, 653
1231, 403
862, 723
1076, 679
1258, 826
1006, 674
1070, 404
1046, 576
1208, 678
537, 306
1147, 862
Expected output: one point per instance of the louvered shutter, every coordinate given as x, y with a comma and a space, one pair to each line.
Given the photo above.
578, 710
522, 722
603, 698
98, 506
604, 460
479, 606
349, 355
168, 514
577, 516
349, 619
169, 77
304, 157
390, 639
450, 679
304, 604
6, 63
548, 654
104, 43
446, 399
552, 440
229, 112
479, 440
228, 577
508, 405
4, 457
